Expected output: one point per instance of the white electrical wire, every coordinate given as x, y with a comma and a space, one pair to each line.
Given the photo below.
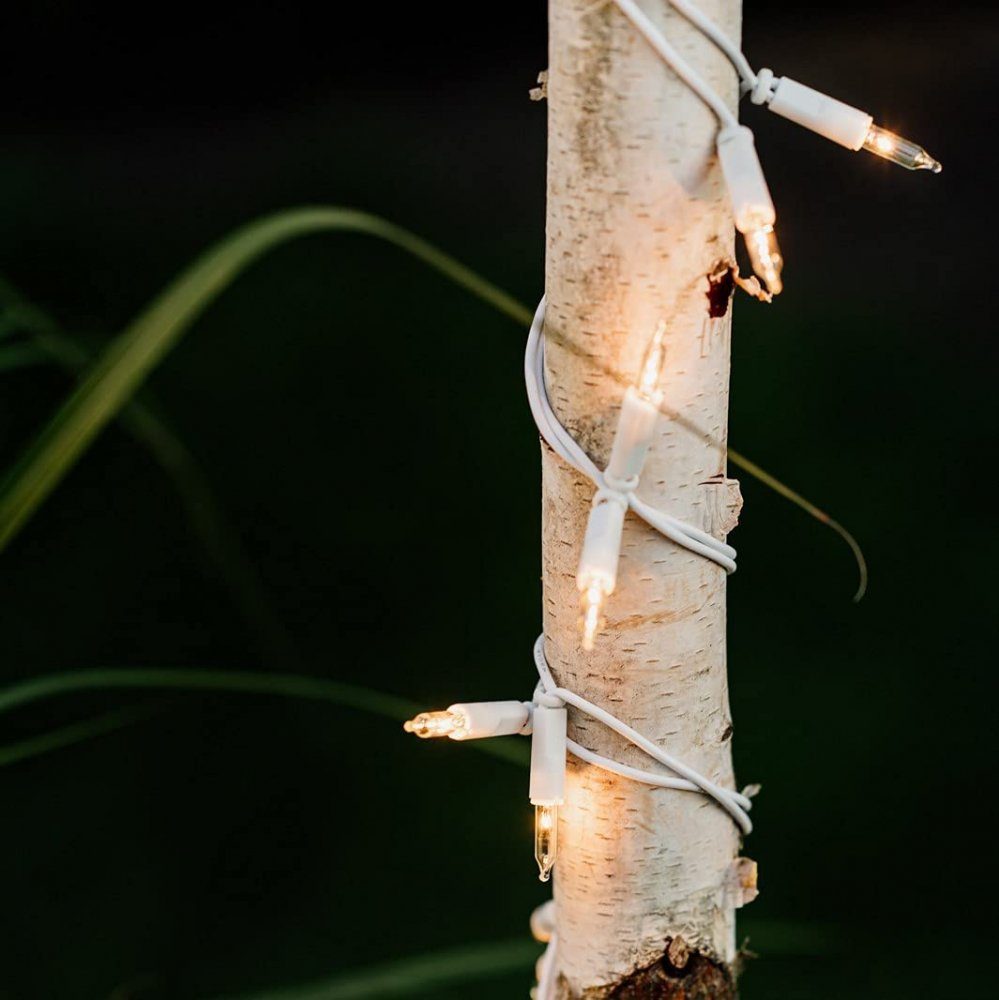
710, 30
686, 535
546, 970
677, 63
760, 85
736, 804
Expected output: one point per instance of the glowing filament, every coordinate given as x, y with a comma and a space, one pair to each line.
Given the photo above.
652, 367
545, 839
593, 595
893, 147
765, 256
428, 725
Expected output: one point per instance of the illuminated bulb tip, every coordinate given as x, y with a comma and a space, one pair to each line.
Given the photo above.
652, 365
592, 602
428, 725
545, 839
591, 622
765, 256
893, 147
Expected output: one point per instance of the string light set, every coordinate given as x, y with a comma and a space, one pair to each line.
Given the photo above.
544, 717
752, 207
544, 720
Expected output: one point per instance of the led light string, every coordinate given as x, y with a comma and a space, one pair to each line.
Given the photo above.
616, 485
752, 206
564, 445
840, 122
736, 804
544, 718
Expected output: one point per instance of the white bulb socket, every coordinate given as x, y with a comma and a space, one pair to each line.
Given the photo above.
548, 747
821, 113
635, 428
601, 545
492, 718
752, 206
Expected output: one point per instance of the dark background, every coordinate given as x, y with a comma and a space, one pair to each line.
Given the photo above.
232, 843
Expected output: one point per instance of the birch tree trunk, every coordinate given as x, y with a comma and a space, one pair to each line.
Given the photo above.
638, 219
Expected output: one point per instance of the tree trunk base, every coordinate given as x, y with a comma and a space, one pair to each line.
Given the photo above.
681, 974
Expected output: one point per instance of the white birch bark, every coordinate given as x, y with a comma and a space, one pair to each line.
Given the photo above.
637, 219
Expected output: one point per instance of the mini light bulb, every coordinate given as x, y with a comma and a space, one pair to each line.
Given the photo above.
893, 147
752, 206
765, 256
652, 367
545, 838
428, 725
593, 594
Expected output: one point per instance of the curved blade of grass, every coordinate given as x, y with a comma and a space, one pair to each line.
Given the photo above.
806, 505
220, 541
422, 974
77, 732
244, 682
77, 423
134, 354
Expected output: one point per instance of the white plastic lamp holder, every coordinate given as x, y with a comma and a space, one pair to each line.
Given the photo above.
840, 122
547, 790
752, 206
473, 720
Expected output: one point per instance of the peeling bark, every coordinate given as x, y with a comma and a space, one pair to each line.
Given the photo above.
638, 220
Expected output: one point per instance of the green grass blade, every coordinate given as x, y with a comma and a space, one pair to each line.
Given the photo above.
243, 682
212, 529
809, 508
422, 974
136, 352
77, 732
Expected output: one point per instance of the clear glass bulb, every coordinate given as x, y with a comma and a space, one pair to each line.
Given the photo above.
765, 256
652, 367
593, 594
428, 725
545, 839
893, 147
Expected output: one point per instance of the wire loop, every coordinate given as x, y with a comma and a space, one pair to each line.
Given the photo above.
684, 778
564, 445
763, 89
